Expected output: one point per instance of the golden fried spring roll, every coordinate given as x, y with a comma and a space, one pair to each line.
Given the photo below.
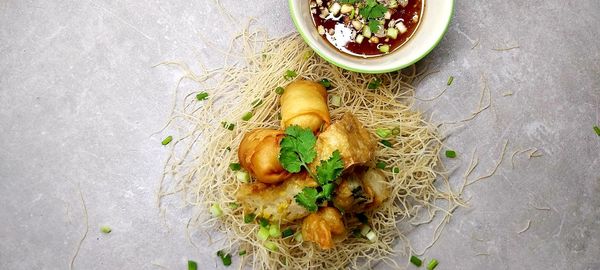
320, 227
304, 103
259, 155
350, 137
362, 190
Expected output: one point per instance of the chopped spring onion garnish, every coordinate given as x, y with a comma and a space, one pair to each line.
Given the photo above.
242, 252
432, 264
242, 176
287, 232
202, 96
279, 90
374, 84
228, 148
263, 234
380, 165
336, 100
225, 257
450, 80
216, 210
386, 143
263, 222
274, 231
271, 246
229, 126
416, 261
235, 166
105, 229
247, 116
256, 103
395, 170
362, 218
364, 230
167, 140
450, 154
233, 205
383, 132
597, 129
192, 265
298, 237
248, 218
290, 74
326, 83
371, 236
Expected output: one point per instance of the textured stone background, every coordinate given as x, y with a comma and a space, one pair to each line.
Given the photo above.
79, 102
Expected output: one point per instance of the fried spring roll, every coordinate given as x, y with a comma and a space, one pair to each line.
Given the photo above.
304, 103
259, 155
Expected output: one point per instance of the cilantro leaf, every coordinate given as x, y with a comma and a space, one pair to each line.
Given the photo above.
373, 10
297, 148
327, 191
330, 169
377, 11
374, 26
308, 199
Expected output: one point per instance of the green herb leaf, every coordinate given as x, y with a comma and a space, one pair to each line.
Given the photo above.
167, 140
202, 96
192, 265
450, 154
416, 261
373, 26
308, 199
297, 148
330, 169
327, 191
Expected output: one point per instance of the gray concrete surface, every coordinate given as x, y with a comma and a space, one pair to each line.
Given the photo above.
79, 102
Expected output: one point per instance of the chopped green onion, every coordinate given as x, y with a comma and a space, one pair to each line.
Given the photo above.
242, 252
416, 261
374, 84
202, 96
263, 222
167, 140
287, 232
597, 129
105, 229
383, 132
235, 166
432, 264
271, 246
290, 74
326, 83
450, 154
274, 231
362, 218
396, 131
242, 176
192, 265
450, 80
371, 236
384, 48
380, 165
247, 116
395, 170
233, 205
256, 103
298, 237
228, 148
248, 218
225, 257
216, 210
229, 126
386, 143
279, 90
364, 230
336, 100
263, 234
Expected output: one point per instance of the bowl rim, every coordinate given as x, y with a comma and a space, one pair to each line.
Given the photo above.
371, 70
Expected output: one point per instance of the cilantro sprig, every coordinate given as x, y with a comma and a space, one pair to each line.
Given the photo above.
297, 151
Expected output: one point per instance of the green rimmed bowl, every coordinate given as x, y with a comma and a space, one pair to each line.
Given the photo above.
434, 23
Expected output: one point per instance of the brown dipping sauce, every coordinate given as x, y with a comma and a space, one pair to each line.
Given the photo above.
341, 31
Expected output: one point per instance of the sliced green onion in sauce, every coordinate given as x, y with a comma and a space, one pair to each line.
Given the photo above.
202, 96
416, 261
167, 140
